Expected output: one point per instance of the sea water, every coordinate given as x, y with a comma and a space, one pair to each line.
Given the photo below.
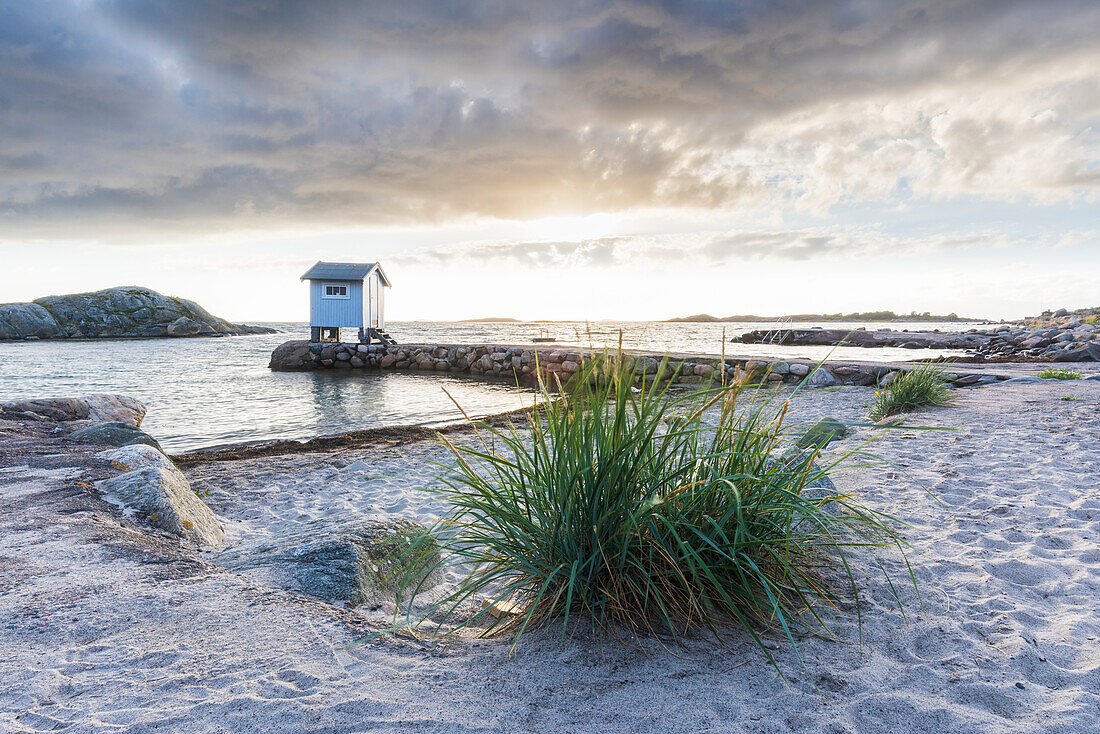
205, 392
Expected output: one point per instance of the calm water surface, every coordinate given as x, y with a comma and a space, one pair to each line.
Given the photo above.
206, 392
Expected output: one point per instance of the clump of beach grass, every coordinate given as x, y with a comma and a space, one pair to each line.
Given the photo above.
649, 511
1052, 373
923, 385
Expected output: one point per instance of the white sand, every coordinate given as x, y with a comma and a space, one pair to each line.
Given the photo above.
103, 631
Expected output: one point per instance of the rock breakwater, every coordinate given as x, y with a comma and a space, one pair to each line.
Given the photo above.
525, 363
127, 312
1061, 336
971, 339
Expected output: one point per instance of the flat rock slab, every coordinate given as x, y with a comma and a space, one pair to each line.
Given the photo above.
164, 497
362, 563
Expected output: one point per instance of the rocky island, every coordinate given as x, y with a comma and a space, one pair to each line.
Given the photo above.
125, 312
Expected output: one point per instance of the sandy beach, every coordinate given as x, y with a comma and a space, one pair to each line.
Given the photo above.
266, 266
109, 625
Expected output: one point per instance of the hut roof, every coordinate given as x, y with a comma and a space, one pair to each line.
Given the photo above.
343, 271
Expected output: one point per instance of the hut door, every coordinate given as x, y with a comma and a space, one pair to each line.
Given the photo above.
375, 301
379, 315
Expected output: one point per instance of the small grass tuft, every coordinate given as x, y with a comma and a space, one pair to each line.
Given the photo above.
920, 386
647, 510
1069, 398
1051, 373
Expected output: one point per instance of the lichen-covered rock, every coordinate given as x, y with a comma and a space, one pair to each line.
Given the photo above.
362, 563
163, 496
114, 433
127, 312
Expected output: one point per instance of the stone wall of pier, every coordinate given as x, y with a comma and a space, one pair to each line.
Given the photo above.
522, 363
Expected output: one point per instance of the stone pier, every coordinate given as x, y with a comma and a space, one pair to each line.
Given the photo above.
522, 363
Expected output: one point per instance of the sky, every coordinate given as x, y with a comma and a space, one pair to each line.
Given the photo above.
556, 160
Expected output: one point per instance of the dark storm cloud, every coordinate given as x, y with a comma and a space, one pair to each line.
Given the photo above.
201, 113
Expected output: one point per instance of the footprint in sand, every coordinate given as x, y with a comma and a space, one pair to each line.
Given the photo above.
1019, 572
288, 683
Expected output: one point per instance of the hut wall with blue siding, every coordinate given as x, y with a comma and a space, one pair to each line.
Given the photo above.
335, 311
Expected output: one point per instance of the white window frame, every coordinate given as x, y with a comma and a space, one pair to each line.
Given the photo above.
325, 293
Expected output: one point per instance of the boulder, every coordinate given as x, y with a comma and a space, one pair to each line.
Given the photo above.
361, 563
1088, 353
184, 326
101, 407
820, 434
821, 377
112, 407
136, 456
114, 433
164, 497
799, 369
647, 365
26, 320
294, 356
58, 409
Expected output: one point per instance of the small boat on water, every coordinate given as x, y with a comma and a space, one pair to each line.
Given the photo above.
544, 336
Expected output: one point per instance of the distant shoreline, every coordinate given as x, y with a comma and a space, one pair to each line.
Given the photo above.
491, 320
706, 318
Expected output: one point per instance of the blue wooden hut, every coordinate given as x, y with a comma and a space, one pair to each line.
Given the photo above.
347, 295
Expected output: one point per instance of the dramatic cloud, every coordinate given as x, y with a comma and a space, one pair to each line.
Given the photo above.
210, 114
